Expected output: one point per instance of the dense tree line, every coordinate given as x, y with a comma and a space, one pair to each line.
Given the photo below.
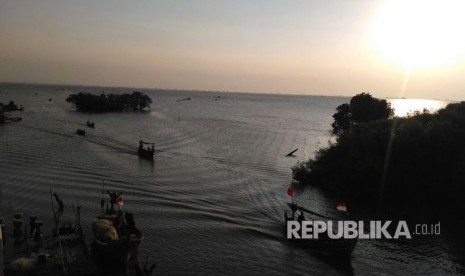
415, 164
109, 102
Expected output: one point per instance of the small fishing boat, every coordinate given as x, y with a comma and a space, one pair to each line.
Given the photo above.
90, 124
115, 233
323, 244
185, 99
148, 152
5, 119
80, 132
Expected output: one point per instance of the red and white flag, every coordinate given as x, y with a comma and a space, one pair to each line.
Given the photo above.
290, 191
119, 200
341, 206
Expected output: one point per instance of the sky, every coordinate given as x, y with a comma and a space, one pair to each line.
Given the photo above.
328, 47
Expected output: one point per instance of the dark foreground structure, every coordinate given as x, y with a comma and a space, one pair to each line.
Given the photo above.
28, 250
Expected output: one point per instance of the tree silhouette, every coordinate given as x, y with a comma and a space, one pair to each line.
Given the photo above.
109, 102
426, 166
361, 109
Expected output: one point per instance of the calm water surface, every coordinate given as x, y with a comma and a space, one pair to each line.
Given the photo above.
212, 202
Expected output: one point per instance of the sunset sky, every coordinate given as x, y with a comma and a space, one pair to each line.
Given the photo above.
405, 48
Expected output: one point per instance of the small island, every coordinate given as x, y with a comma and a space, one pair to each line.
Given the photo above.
399, 166
110, 102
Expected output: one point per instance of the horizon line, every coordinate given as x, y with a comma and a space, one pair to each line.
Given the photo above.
174, 89
214, 91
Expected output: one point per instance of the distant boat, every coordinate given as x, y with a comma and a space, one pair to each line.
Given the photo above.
90, 124
115, 233
148, 152
80, 132
185, 99
5, 119
50, 99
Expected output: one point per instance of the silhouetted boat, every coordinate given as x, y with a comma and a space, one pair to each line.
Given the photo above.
80, 132
323, 244
90, 124
185, 99
148, 152
116, 236
5, 119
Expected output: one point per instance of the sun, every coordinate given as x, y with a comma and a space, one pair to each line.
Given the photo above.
420, 33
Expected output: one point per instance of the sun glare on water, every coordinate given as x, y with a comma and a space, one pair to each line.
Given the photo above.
420, 33
405, 107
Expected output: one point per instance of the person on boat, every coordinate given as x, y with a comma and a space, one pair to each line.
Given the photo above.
113, 197
102, 204
120, 224
32, 223
301, 217
294, 209
130, 223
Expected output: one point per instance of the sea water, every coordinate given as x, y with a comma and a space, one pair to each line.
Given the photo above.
212, 201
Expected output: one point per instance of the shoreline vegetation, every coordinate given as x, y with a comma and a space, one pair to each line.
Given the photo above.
408, 166
109, 102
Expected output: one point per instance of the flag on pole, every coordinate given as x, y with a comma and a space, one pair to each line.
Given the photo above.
290, 191
341, 206
119, 200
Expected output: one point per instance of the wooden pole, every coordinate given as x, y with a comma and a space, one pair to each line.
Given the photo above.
55, 219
